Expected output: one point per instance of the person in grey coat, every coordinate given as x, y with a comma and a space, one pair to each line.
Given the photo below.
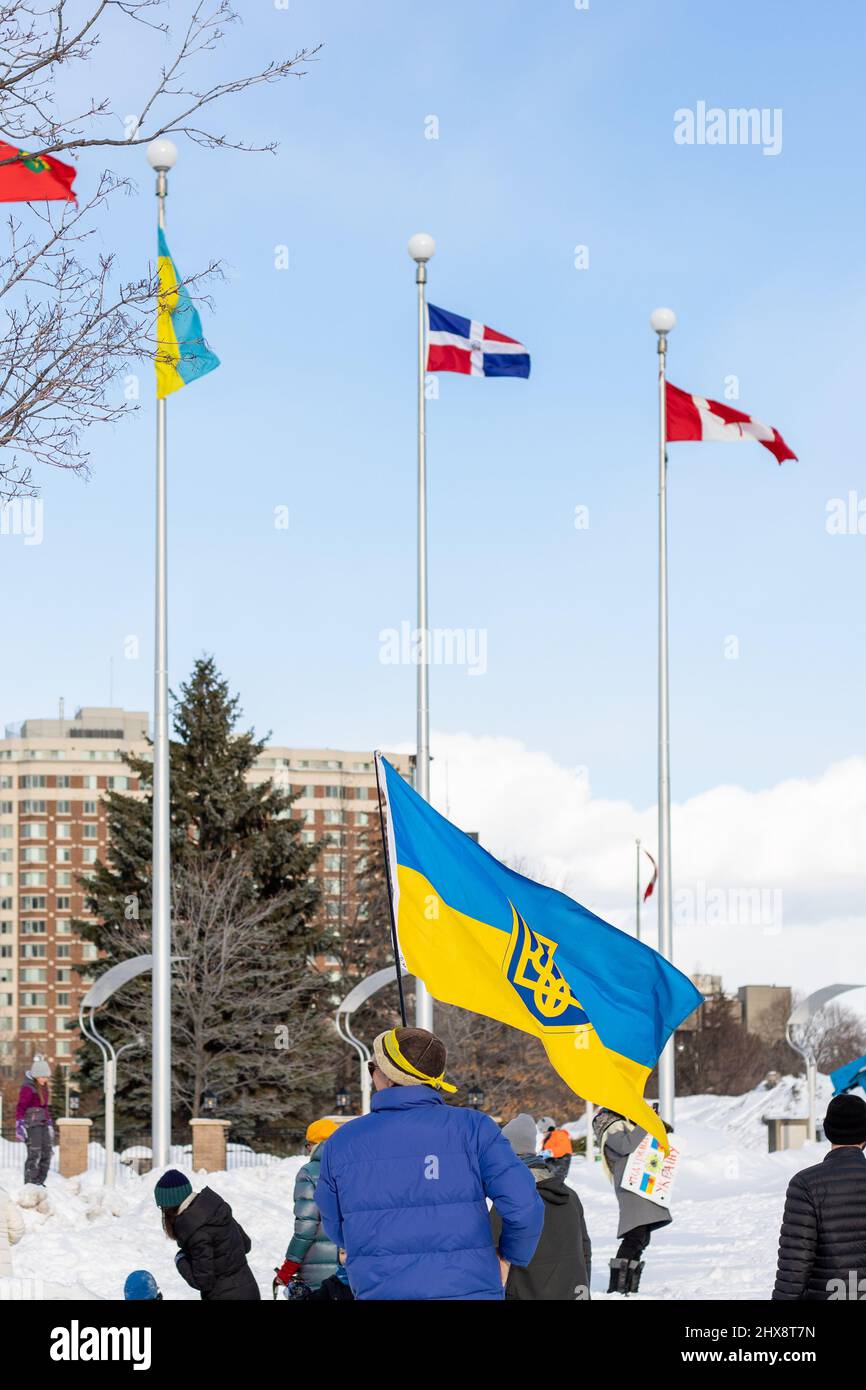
311, 1256
617, 1138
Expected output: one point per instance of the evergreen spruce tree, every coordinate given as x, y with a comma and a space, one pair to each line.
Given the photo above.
217, 818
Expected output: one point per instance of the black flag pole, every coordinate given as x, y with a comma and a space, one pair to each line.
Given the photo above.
387, 859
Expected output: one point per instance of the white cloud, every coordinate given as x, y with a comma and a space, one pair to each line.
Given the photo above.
768, 886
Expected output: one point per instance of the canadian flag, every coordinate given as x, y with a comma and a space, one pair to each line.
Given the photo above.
694, 417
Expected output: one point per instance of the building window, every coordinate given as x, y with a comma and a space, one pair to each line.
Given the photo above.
34, 808
7, 928
63, 831
88, 951
63, 808
33, 902
33, 779
332, 885
7, 905
5, 808
63, 878
33, 975
33, 950
7, 880
362, 818
64, 975
63, 1001
63, 926
333, 817
33, 1023
91, 832
33, 926
6, 832
91, 782
117, 784
88, 856
34, 830
63, 1047
88, 808
35, 854
63, 952
64, 856
5, 952
64, 781
34, 879
34, 999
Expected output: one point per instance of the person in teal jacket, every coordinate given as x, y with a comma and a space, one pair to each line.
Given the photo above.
311, 1256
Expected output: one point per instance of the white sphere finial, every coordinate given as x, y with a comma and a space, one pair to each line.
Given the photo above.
421, 247
161, 154
663, 320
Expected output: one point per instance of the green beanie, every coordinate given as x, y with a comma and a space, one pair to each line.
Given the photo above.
172, 1189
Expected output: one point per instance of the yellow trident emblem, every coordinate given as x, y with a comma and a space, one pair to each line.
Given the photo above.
533, 972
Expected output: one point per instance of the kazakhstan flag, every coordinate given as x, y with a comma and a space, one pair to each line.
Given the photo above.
485, 938
182, 355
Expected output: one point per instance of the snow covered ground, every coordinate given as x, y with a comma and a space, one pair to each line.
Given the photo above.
722, 1243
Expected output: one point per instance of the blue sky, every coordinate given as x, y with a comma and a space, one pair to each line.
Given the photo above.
555, 129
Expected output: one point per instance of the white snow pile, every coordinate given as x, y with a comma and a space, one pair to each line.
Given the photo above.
727, 1207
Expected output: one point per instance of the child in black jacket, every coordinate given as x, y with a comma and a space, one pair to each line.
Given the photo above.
213, 1246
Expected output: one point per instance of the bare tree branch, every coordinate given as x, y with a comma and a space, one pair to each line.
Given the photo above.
70, 330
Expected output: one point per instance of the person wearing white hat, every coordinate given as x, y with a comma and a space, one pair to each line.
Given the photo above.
34, 1123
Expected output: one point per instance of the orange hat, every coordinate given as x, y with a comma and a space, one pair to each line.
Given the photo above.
320, 1130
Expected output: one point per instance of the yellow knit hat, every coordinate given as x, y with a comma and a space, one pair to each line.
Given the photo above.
320, 1130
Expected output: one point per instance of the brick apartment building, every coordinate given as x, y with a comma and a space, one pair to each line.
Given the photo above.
53, 776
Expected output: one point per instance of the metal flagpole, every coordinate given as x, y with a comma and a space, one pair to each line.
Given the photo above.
161, 155
663, 320
421, 248
637, 886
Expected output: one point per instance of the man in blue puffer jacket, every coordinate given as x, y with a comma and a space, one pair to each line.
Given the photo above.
403, 1189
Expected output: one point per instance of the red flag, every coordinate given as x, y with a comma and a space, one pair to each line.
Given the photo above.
34, 178
694, 417
652, 883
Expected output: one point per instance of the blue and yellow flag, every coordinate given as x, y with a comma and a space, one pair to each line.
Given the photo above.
485, 938
182, 355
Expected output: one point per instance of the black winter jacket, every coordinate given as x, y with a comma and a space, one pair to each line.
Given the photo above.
213, 1250
823, 1237
561, 1267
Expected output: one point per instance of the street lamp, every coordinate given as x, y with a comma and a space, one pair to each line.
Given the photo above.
796, 1033
100, 991
209, 1101
475, 1096
342, 1101
353, 1000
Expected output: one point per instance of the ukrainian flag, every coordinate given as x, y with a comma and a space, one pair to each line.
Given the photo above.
485, 938
182, 355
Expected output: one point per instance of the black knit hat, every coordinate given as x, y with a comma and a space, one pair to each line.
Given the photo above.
845, 1121
172, 1189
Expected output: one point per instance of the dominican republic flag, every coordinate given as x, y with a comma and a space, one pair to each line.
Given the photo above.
693, 417
456, 344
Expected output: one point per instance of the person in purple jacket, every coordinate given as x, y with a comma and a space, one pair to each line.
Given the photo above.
34, 1123
404, 1190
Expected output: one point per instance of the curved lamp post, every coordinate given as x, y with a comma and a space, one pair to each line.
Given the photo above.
353, 1000
796, 1035
99, 993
